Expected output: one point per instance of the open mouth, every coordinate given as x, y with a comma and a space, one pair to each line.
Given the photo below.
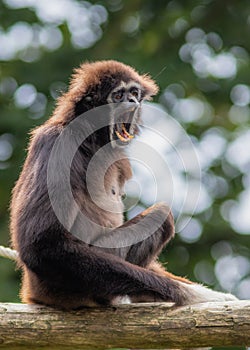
124, 125
124, 135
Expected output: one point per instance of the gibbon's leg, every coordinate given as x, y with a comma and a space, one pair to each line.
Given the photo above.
145, 252
81, 274
151, 230
200, 293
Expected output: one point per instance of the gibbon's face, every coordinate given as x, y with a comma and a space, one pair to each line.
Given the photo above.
125, 100
118, 85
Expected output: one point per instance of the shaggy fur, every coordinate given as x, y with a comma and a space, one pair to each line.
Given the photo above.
60, 269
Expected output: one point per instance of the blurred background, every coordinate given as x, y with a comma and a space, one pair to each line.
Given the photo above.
198, 52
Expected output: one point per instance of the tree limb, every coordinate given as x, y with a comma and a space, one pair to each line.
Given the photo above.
144, 326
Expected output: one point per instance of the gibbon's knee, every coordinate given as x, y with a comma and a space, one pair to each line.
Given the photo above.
162, 213
148, 249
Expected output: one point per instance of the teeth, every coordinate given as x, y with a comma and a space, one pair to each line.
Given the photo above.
126, 133
121, 137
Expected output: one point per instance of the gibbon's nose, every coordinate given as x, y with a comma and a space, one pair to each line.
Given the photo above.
131, 98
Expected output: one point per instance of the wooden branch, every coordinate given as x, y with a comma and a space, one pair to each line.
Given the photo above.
143, 326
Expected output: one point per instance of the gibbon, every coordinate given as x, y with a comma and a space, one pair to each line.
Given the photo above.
59, 268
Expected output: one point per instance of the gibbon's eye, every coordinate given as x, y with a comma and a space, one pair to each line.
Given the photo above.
135, 93
117, 96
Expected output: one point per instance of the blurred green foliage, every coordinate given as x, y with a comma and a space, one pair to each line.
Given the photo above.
197, 51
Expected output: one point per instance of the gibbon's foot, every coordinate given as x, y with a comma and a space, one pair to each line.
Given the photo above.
202, 294
121, 300
196, 293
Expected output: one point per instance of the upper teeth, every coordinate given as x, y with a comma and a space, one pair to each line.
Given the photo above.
126, 134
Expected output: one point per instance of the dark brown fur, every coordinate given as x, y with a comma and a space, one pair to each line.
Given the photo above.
58, 268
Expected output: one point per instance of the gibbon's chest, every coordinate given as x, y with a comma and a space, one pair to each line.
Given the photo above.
105, 188
107, 197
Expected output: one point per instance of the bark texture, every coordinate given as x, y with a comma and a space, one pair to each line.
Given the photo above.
137, 326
